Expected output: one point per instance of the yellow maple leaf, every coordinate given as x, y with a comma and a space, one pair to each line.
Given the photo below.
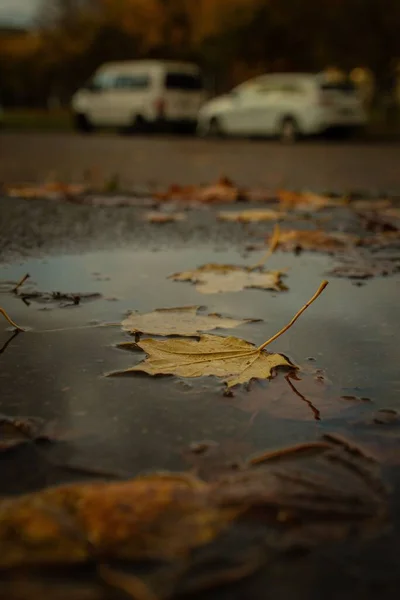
231, 358
183, 320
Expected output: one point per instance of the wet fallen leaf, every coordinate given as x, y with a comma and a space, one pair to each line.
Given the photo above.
184, 321
61, 299
251, 215
305, 201
161, 218
236, 360
335, 493
223, 190
49, 191
15, 431
233, 359
158, 517
317, 240
384, 220
215, 278
383, 240
377, 267
368, 205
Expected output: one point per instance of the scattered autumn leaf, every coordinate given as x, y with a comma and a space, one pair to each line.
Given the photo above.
215, 278
183, 320
15, 431
368, 205
317, 240
305, 200
385, 220
251, 215
330, 486
158, 517
49, 191
223, 190
366, 269
161, 218
234, 359
384, 240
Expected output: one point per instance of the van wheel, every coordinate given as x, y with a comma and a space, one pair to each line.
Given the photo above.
214, 128
137, 126
289, 130
82, 123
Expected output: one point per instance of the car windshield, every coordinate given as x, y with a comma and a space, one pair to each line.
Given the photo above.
183, 81
344, 86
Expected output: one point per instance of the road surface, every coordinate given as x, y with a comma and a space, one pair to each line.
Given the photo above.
319, 165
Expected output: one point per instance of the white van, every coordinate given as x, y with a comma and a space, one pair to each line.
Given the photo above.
140, 95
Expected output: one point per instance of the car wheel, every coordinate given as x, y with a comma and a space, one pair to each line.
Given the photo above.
138, 125
82, 123
214, 128
289, 130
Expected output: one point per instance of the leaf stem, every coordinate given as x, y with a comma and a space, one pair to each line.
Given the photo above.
7, 318
273, 244
21, 282
296, 316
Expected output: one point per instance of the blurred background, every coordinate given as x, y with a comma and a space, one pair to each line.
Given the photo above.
49, 48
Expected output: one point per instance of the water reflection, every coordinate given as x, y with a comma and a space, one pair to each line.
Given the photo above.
139, 423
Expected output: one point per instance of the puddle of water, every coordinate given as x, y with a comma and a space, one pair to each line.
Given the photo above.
137, 423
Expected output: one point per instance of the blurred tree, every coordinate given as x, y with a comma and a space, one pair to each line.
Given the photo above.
231, 39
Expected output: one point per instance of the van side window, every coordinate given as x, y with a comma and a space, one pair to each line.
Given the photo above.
183, 81
132, 82
102, 81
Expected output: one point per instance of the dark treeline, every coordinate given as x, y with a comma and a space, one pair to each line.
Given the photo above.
231, 39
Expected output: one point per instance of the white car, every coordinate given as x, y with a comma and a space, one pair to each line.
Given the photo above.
140, 95
286, 105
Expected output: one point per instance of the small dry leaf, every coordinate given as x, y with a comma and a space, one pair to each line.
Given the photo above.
234, 359
15, 431
183, 320
215, 278
50, 191
251, 216
366, 270
161, 218
318, 240
361, 205
223, 190
305, 200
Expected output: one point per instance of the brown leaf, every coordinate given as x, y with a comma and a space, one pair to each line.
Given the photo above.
305, 200
236, 360
335, 493
215, 278
251, 216
183, 321
317, 240
161, 218
15, 431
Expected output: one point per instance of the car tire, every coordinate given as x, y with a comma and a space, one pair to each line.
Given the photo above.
214, 129
82, 123
289, 130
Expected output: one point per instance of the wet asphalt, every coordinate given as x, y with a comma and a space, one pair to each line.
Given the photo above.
346, 345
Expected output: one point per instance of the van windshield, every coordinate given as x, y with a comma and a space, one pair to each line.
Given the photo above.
183, 81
